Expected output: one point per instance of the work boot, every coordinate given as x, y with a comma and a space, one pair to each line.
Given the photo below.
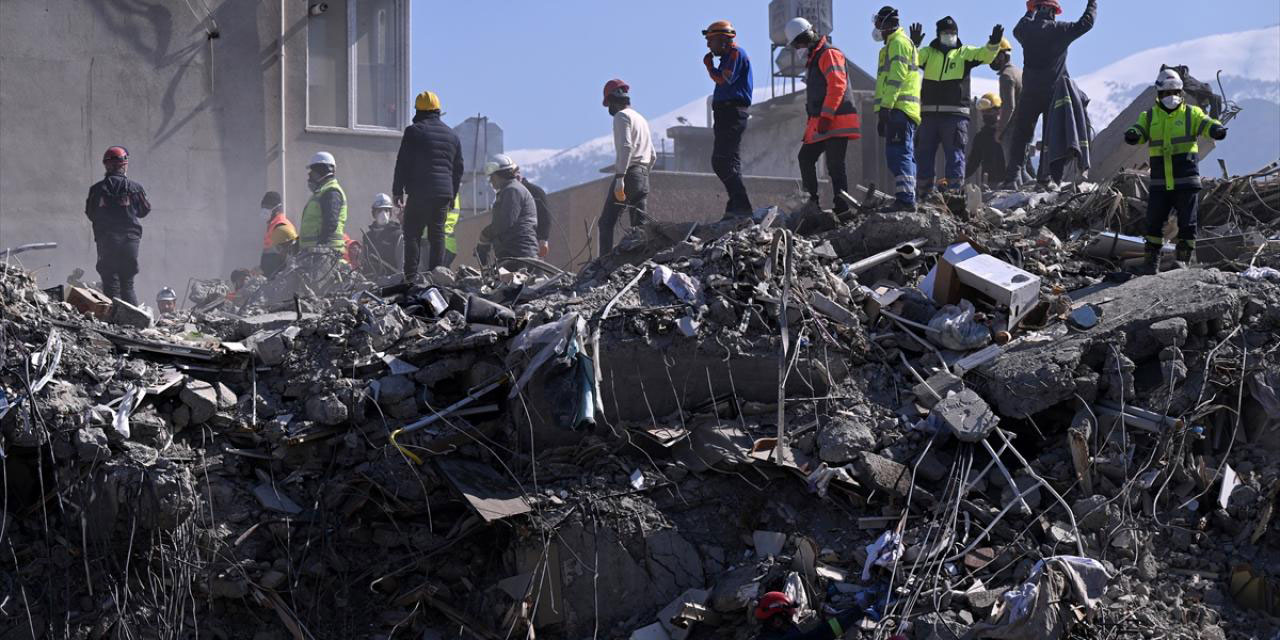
1150, 260
126, 291
1183, 255
899, 205
1007, 185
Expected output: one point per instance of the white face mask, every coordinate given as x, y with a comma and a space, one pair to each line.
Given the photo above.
876, 35
382, 217
949, 39
1171, 102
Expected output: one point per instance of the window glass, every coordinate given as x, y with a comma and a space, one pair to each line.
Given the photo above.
327, 67
378, 29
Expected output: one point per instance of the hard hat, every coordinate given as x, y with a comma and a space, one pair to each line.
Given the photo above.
427, 101
990, 101
773, 604
1005, 45
323, 157
382, 201
166, 294
115, 155
1168, 80
1032, 5
795, 27
616, 88
500, 162
884, 15
720, 28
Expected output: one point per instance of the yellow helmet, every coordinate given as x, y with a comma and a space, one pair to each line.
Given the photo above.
990, 101
427, 101
1005, 45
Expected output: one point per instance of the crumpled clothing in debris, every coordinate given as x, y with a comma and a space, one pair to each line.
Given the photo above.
1040, 608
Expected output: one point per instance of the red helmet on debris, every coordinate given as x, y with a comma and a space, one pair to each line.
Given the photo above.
615, 88
774, 603
115, 156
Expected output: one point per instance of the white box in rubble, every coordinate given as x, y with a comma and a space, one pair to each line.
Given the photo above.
1004, 283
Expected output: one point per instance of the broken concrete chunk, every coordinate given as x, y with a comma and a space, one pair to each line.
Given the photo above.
768, 543
127, 315
205, 399
273, 499
394, 389
969, 416
841, 440
271, 322
882, 474
1171, 332
91, 444
327, 410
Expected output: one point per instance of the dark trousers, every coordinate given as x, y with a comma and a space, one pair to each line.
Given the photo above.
419, 214
636, 185
729, 122
117, 265
946, 130
1034, 105
835, 149
1162, 202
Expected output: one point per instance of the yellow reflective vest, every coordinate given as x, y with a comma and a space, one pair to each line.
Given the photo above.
451, 222
313, 220
1172, 138
898, 76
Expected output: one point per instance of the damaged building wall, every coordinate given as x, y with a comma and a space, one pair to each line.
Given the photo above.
202, 119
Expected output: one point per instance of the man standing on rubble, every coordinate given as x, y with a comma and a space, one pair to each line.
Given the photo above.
833, 117
1170, 128
324, 219
945, 65
513, 227
281, 238
1010, 86
1044, 42
898, 103
429, 171
633, 144
116, 206
986, 156
729, 104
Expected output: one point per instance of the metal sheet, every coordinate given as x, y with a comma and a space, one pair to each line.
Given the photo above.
491, 495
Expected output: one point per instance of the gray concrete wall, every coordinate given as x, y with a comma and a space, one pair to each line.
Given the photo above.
201, 118
674, 197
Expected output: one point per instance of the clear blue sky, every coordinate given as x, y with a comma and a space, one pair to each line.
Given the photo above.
537, 66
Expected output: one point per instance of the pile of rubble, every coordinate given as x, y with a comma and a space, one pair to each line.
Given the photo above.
964, 422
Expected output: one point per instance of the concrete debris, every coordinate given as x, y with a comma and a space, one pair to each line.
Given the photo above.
646, 448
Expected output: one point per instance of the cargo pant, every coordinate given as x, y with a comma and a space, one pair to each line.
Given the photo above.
951, 132
118, 265
636, 185
899, 149
1161, 202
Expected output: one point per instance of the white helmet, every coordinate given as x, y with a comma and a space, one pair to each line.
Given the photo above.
323, 157
382, 201
500, 162
796, 27
1168, 80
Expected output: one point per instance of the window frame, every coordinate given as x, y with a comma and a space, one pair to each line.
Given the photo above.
353, 126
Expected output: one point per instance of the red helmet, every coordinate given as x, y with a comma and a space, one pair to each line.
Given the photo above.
1032, 5
116, 156
772, 604
615, 88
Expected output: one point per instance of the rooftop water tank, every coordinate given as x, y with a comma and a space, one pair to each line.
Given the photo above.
782, 11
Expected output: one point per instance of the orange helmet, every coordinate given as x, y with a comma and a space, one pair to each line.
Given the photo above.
115, 156
616, 88
720, 28
774, 603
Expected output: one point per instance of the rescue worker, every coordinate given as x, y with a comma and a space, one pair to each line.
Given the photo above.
116, 206
945, 65
633, 146
324, 219
776, 612
428, 171
544, 214
1171, 128
513, 229
897, 103
833, 118
381, 241
167, 302
280, 240
1044, 42
986, 155
1010, 86
729, 104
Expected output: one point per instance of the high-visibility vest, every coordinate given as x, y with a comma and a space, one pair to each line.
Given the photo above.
312, 219
1172, 138
898, 76
945, 76
450, 223
277, 220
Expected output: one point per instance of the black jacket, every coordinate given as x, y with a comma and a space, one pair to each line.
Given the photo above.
513, 232
429, 164
544, 211
116, 206
1045, 44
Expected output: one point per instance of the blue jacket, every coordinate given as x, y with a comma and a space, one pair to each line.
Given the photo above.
732, 78
1045, 44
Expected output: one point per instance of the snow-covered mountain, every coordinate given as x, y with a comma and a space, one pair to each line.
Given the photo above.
1249, 60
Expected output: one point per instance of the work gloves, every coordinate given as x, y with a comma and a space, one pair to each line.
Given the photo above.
1218, 132
543, 248
997, 34
917, 33
619, 189
1131, 136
